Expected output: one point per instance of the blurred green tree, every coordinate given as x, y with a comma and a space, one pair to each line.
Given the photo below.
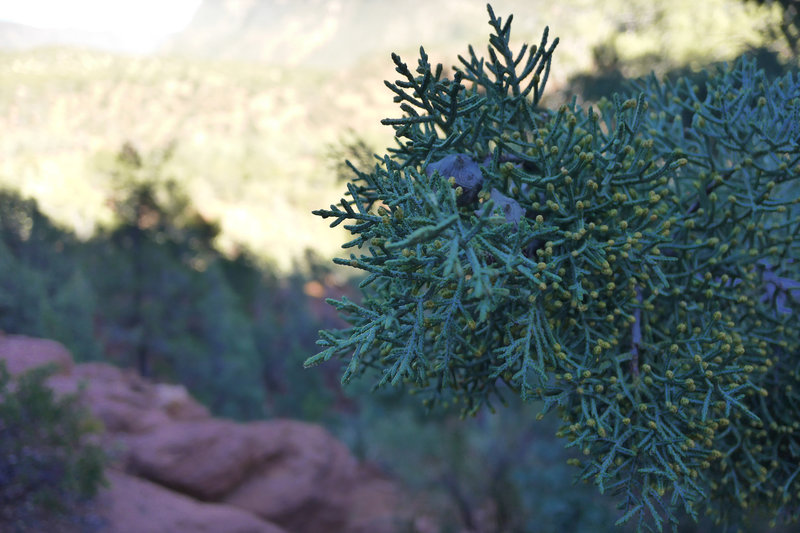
43, 290
167, 304
790, 21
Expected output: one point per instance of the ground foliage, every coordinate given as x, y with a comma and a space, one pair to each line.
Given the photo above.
632, 267
49, 467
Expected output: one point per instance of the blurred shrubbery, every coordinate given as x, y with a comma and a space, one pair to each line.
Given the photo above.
48, 465
494, 473
499, 472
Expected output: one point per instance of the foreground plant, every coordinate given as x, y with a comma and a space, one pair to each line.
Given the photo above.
48, 466
631, 267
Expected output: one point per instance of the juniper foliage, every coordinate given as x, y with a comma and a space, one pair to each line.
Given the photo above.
632, 267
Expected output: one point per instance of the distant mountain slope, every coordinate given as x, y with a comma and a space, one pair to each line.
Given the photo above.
338, 33
21, 37
247, 142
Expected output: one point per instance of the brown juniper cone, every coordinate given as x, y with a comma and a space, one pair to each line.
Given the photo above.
466, 173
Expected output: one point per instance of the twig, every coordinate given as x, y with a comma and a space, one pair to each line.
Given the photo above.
636, 335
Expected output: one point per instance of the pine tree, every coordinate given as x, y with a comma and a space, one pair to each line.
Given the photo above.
41, 280
168, 306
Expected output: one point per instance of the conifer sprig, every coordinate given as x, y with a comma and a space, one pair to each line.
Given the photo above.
631, 267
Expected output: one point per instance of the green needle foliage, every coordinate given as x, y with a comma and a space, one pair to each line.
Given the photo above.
631, 267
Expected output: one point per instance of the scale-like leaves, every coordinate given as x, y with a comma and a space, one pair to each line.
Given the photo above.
634, 273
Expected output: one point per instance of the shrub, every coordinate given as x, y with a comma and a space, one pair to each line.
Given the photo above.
48, 467
632, 267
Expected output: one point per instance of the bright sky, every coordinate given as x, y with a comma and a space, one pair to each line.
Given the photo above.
140, 18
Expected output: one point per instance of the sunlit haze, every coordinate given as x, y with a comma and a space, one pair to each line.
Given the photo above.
139, 20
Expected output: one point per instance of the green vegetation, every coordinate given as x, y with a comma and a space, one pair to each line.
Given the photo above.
492, 473
50, 466
151, 291
630, 267
40, 283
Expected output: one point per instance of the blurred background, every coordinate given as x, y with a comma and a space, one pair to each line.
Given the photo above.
159, 162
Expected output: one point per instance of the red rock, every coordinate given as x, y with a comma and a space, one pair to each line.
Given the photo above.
23, 353
125, 402
292, 474
303, 479
178, 404
205, 458
132, 505
373, 504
